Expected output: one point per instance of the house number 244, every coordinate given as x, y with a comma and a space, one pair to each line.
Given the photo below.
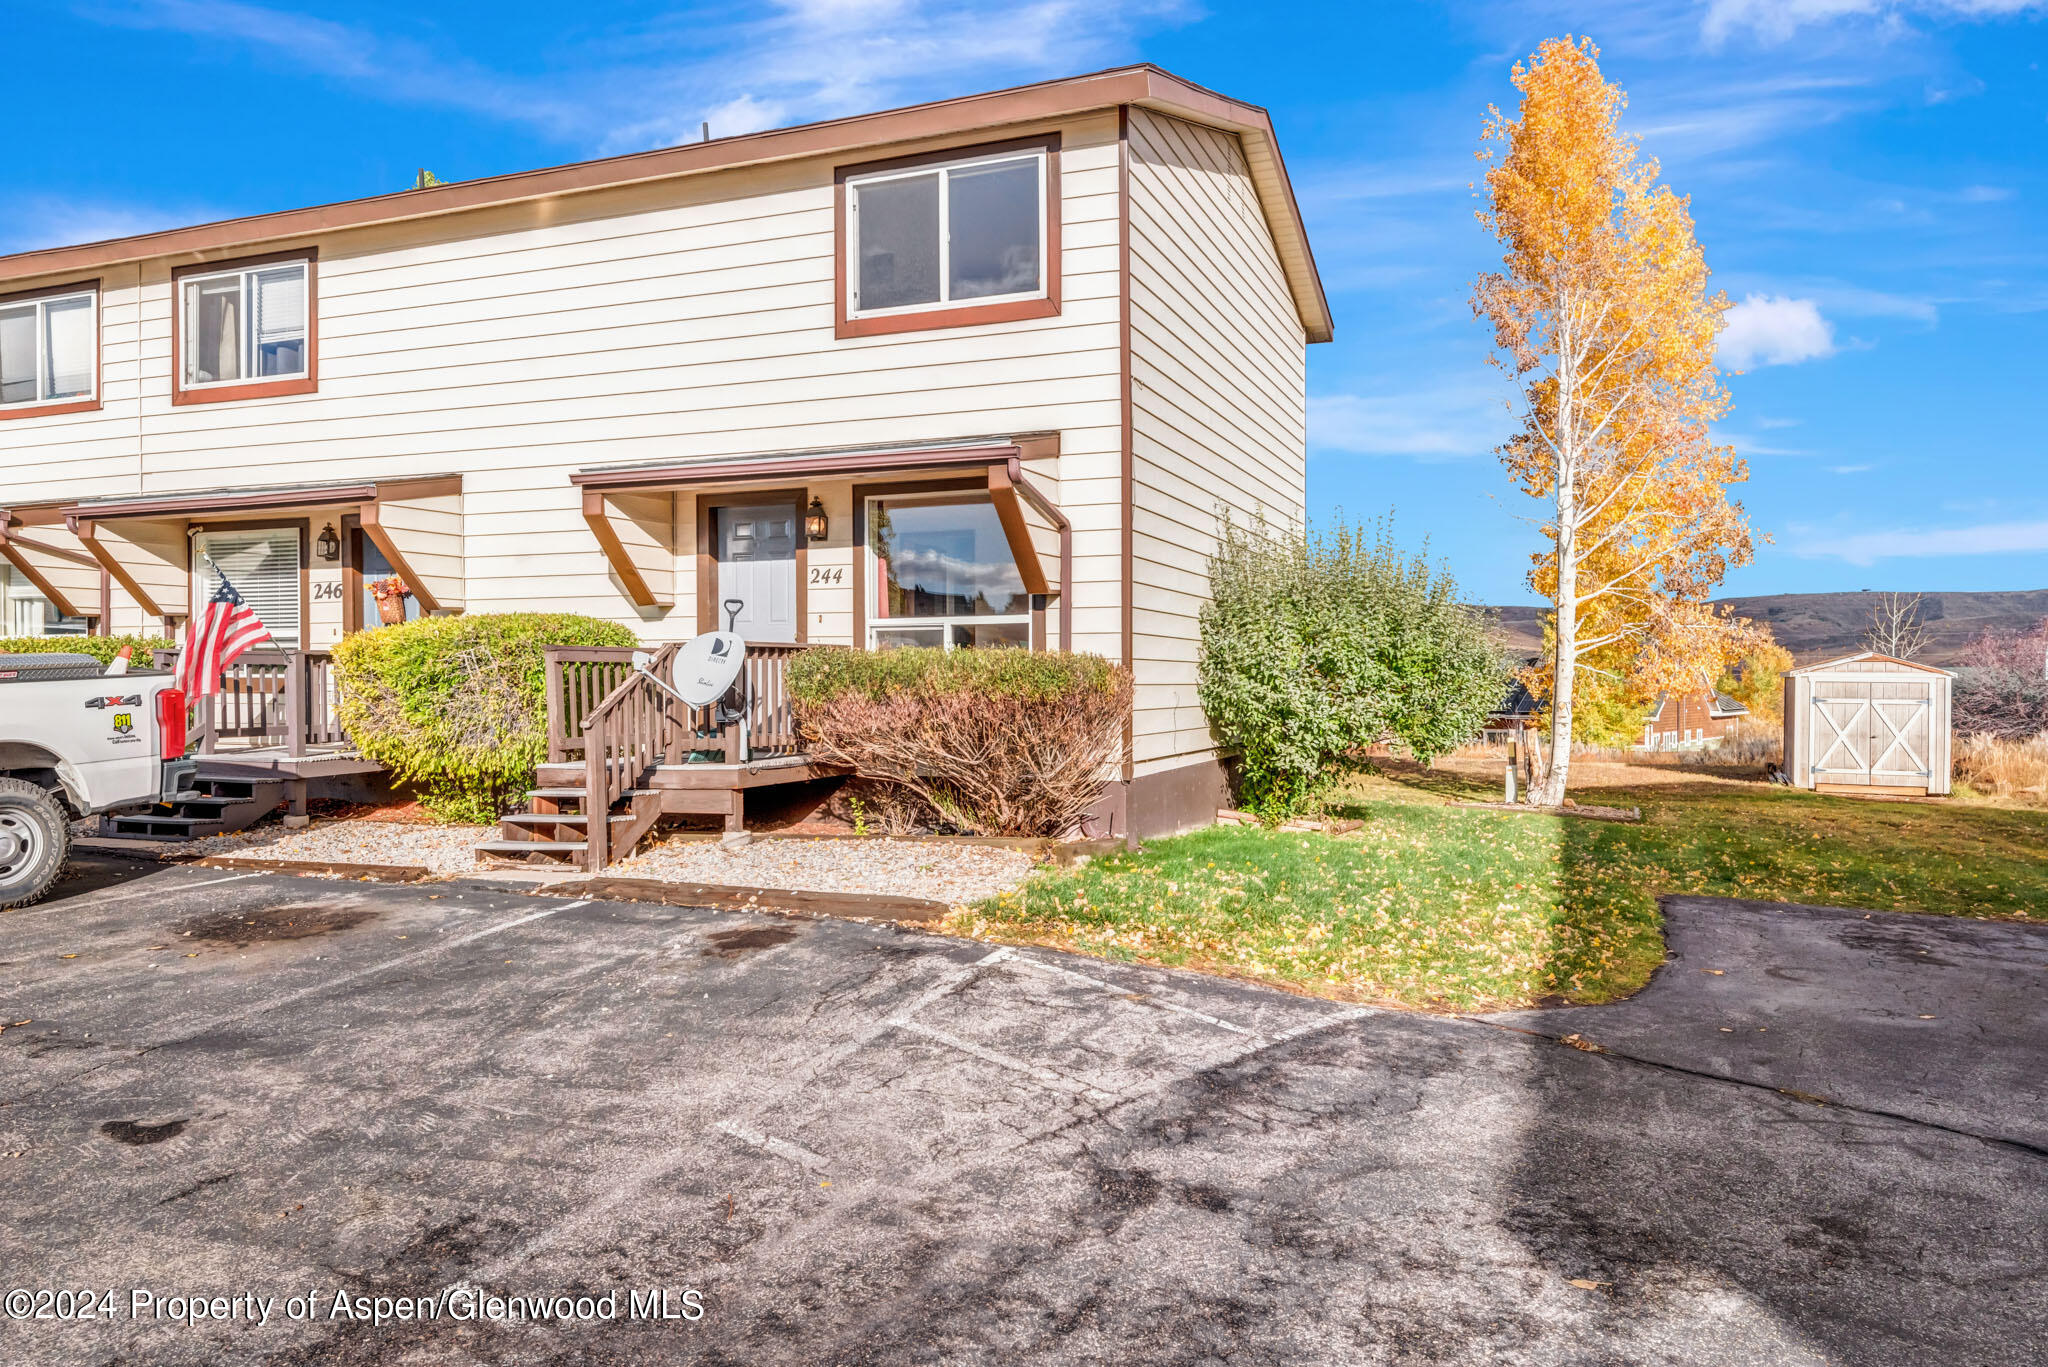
828, 575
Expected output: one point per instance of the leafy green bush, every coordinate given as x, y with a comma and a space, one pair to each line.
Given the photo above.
101, 648
458, 705
1316, 646
992, 742
827, 672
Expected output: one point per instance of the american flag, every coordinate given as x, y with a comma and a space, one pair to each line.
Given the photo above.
228, 627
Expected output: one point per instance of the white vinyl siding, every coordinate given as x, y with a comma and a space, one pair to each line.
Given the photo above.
1218, 404
263, 565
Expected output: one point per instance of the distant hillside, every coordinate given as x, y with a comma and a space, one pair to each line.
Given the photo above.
1820, 626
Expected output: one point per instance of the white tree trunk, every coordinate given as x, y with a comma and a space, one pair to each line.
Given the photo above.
1565, 666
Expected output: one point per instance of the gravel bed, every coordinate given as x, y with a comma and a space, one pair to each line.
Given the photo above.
443, 849
940, 871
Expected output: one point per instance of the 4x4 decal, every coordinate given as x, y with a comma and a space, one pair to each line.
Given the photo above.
97, 704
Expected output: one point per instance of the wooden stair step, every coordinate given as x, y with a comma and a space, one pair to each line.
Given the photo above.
557, 819
161, 827
517, 848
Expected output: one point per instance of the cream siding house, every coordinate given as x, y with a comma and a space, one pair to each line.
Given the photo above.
979, 372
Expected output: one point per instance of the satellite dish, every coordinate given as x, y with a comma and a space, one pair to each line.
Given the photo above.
706, 667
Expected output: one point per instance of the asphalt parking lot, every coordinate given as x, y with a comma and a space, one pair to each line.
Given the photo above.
856, 1144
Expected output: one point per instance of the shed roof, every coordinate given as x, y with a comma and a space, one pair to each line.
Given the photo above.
1871, 655
1146, 86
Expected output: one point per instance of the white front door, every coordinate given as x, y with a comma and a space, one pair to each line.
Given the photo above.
756, 548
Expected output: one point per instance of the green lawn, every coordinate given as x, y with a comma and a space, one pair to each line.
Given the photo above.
1435, 905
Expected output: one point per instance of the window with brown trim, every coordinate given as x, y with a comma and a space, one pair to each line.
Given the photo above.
245, 329
50, 351
948, 239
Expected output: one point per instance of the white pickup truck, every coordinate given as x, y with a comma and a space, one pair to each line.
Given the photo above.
76, 742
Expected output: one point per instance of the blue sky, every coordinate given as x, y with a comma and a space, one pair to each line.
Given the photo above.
1868, 178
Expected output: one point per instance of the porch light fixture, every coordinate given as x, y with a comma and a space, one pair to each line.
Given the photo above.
329, 544
815, 523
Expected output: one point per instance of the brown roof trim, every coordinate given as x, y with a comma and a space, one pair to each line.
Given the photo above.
247, 500
794, 467
1140, 85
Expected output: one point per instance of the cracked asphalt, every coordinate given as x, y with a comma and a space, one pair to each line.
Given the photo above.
1806, 1142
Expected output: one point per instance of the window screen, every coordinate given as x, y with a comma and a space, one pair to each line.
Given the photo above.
68, 333
951, 234
263, 564
246, 325
281, 321
18, 354
48, 349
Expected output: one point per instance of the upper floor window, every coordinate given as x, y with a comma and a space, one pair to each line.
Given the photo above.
49, 352
246, 329
949, 239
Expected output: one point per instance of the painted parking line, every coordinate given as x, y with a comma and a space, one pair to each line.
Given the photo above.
93, 902
1043, 1076
768, 1143
1020, 961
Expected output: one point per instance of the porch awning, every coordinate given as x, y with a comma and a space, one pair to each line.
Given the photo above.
139, 539
837, 462
36, 543
628, 506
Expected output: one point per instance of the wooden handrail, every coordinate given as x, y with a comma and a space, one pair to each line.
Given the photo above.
624, 736
282, 697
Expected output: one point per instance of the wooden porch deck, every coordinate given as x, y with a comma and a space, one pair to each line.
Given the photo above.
619, 746
275, 715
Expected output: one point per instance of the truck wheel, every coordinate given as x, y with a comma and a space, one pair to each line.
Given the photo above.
35, 835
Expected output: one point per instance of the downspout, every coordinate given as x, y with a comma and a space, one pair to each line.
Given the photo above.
1037, 499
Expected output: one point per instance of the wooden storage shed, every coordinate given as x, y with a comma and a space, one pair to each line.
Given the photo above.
1868, 723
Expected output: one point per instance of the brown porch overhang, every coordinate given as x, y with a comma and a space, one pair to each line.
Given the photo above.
836, 462
370, 497
54, 571
619, 526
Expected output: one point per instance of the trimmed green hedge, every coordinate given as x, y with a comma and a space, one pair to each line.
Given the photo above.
101, 648
824, 673
457, 706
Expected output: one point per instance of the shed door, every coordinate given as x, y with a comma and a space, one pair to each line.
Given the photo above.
1901, 734
756, 547
1840, 719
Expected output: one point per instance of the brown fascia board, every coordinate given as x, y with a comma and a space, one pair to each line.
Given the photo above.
251, 500
627, 477
1147, 86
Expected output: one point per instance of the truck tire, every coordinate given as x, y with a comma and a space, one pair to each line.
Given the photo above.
35, 835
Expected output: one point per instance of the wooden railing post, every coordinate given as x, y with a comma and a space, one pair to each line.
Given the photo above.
597, 799
557, 730
295, 703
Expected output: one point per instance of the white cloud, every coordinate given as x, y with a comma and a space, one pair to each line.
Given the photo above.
1767, 329
800, 60
1430, 425
1774, 21
1867, 548
1849, 469
36, 221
